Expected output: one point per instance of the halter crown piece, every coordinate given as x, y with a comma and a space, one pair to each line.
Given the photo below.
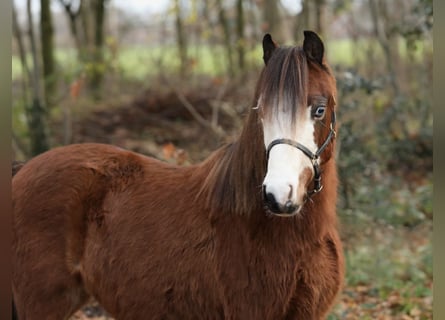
315, 157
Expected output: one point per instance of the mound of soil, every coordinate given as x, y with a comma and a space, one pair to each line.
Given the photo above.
159, 124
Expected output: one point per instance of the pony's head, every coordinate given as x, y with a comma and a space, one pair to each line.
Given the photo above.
296, 100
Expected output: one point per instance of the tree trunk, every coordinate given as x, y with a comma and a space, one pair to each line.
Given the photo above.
302, 21
381, 35
73, 15
241, 42
272, 19
85, 16
181, 39
17, 33
36, 112
47, 48
319, 16
311, 17
227, 39
87, 26
253, 20
97, 49
22, 53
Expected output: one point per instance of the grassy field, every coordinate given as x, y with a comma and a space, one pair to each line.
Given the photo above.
140, 62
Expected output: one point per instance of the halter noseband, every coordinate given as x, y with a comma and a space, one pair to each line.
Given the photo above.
314, 157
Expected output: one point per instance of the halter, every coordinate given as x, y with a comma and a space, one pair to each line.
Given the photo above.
314, 157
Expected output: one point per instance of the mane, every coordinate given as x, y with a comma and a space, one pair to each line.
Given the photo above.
234, 182
284, 83
236, 171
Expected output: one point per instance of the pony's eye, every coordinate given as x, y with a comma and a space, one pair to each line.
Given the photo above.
318, 112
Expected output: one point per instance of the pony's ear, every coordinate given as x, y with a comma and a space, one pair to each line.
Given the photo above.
313, 47
268, 47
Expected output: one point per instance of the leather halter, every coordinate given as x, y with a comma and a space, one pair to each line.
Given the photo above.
314, 157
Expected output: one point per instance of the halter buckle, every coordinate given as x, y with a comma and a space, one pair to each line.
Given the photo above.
315, 158
334, 133
317, 190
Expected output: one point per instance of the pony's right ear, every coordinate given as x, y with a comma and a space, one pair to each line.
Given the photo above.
268, 47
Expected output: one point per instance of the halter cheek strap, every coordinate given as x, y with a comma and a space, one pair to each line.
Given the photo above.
314, 157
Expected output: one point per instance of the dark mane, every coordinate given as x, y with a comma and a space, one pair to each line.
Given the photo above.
283, 83
236, 172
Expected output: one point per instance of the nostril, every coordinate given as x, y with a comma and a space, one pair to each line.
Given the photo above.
290, 207
271, 202
270, 198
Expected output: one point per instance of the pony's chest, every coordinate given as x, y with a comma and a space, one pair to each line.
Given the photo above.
257, 280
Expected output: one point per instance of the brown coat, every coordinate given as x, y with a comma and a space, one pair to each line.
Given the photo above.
150, 240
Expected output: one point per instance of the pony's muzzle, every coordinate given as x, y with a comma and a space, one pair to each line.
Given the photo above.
287, 208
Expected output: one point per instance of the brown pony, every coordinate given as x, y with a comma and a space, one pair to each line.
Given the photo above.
247, 234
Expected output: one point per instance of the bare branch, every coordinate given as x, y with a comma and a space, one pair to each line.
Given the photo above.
68, 5
195, 114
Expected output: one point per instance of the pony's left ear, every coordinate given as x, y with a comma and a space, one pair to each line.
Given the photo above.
313, 47
268, 47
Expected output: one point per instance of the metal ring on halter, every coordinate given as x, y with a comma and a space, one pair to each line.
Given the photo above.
313, 156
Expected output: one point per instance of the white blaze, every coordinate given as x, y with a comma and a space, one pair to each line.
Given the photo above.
287, 163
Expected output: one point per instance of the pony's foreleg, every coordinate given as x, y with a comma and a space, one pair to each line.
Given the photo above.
320, 280
14, 311
48, 246
46, 278
52, 303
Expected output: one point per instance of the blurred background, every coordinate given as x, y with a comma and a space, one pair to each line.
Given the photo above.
173, 78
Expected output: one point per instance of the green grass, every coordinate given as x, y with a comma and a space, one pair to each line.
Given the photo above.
386, 261
388, 272
139, 62
347, 53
